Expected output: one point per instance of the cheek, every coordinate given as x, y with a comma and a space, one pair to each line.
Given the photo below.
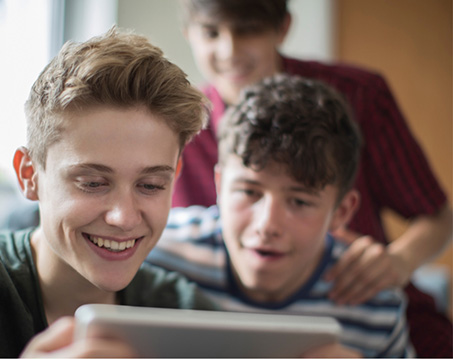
156, 214
309, 234
203, 54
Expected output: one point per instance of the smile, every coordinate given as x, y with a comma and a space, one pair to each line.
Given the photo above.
110, 244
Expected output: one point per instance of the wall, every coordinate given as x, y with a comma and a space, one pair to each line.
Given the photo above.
410, 42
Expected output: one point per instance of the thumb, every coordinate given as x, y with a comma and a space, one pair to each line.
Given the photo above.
58, 335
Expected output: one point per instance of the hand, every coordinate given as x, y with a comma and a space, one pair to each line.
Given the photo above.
332, 351
57, 342
366, 268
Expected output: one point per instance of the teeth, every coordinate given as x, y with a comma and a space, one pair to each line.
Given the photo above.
113, 246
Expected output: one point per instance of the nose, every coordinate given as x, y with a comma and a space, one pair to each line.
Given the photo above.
269, 218
124, 212
228, 45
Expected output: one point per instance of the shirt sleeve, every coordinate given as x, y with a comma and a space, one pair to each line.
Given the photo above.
192, 244
396, 169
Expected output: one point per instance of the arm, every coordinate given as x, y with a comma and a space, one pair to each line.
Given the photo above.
57, 342
368, 266
395, 174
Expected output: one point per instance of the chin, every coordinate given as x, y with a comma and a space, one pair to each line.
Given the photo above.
109, 284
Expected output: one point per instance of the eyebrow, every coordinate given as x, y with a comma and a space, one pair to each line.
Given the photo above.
296, 188
106, 169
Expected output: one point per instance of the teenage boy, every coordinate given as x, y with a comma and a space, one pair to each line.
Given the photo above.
235, 43
107, 120
288, 154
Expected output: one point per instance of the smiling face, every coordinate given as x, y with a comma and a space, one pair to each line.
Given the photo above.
104, 195
273, 227
232, 56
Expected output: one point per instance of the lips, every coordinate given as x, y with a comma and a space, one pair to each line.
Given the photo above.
266, 253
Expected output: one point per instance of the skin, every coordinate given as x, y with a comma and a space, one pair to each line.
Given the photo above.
110, 176
231, 56
274, 228
57, 342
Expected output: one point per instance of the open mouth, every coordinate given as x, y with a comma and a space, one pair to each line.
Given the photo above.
111, 245
268, 253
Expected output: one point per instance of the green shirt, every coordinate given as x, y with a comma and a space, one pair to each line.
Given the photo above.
22, 312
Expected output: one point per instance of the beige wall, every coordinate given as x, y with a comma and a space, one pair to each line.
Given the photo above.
410, 42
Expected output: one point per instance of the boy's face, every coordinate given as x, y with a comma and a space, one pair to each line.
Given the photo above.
232, 56
273, 227
109, 179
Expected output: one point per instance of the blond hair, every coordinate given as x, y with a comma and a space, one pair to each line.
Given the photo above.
118, 69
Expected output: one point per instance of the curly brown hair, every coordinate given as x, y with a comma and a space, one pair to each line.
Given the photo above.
303, 124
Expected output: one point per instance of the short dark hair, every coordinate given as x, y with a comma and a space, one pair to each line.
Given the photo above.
303, 124
268, 13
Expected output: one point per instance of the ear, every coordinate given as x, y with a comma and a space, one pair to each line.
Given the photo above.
26, 173
284, 28
345, 210
178, 168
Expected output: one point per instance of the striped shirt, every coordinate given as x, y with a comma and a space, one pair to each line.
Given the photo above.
192, 244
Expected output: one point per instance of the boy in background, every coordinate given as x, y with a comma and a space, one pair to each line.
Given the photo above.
288, 155
107, 120
236, 43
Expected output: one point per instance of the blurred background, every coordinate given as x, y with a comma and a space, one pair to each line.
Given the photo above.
408, 41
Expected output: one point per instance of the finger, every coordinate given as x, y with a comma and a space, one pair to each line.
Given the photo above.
346, 235
360, 271
346, 263
364, 288
367, 293
99, 348
371, 270
57, 336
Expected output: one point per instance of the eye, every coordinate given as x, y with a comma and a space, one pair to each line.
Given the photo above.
299, 203
92, 186
250, 192
210, 33
150, 188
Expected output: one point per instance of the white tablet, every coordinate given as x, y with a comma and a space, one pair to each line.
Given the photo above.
182, 333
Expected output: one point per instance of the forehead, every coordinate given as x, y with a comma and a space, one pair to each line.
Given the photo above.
115, 136
274, 175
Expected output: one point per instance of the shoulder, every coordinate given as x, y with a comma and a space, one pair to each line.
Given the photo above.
22, 314
14, 247
192, 223
337, 74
